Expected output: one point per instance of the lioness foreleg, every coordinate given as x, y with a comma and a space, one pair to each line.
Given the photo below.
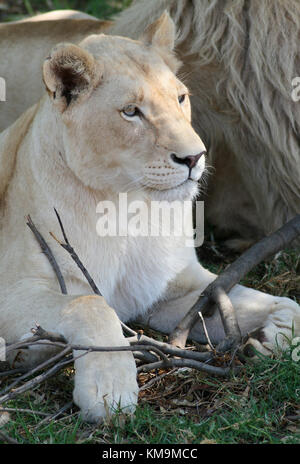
103, 381
269, 320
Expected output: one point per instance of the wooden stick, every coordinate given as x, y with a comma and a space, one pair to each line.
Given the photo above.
220, 371
230, 323
262, 250
29, 411
74, 256
35, 381
48, 253
38, 331
206, 332
41, 366
4, 437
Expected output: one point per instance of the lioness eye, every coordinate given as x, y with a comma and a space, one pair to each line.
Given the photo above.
181, 98
131, 111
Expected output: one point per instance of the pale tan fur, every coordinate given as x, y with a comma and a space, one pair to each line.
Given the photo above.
81, 146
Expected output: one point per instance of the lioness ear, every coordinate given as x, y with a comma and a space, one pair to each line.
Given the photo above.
161, 33
69, 73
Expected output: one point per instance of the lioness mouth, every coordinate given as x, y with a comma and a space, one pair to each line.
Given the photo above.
168, 189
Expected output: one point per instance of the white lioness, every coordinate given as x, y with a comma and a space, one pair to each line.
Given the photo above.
116, 119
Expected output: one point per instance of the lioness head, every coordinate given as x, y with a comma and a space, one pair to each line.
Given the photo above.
126, 117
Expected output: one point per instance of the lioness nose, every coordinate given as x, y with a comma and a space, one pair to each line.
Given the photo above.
189, 161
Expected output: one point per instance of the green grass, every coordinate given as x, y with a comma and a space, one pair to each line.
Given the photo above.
252, 407
99, 8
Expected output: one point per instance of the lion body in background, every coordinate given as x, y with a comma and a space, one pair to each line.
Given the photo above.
23, 47
239, 60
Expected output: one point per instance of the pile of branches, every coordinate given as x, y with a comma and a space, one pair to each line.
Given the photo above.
151, 354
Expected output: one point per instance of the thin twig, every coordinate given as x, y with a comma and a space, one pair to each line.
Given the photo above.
38, 331
229, 320
74, 256
206, 332
173, 350
19, 370
295, 418
173, 362
36, 381
48, 253
156, 379
53, 416
41, 366
4, 437
142, 343
140, 346
165, 363
29, 411
145, 356
91, 348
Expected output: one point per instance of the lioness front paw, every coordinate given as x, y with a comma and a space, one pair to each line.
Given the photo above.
104, 384
279, 329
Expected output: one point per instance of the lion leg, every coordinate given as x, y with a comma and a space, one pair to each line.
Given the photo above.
270, 320
103, 381
280, 327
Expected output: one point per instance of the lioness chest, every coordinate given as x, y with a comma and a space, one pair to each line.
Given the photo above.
132, 273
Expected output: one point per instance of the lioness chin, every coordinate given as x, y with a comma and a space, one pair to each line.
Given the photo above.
115, 119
